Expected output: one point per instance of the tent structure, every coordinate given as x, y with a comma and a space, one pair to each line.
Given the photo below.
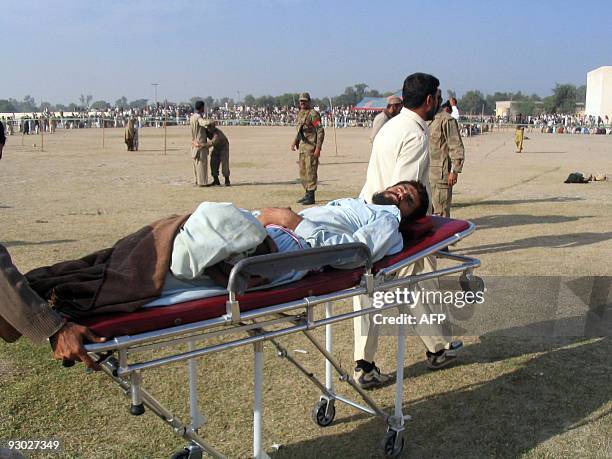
374, 103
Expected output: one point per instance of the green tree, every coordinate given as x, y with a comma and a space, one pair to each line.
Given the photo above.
100, 105
526, 107
360, 91
6, 106
85, 100
28, 105
122, 102
563, 99
472, 103
138, 103
581, 94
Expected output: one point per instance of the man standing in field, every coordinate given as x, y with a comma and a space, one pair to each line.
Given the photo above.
446, 154
219, 155
400, 153
131, 135
308, 141
394, 105
2, 138
199, 144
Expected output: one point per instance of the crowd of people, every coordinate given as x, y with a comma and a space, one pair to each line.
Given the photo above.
173, 115
156, 115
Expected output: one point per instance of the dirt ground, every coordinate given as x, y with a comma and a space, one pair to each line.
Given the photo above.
523, 397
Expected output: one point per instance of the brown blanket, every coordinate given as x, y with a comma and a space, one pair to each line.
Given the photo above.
118, 279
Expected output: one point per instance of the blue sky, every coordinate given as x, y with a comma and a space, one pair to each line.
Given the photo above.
60, 49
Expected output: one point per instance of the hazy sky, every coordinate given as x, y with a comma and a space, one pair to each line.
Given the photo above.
57, 50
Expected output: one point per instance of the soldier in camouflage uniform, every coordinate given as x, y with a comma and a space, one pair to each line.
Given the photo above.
446, 155
308, 141
219, 155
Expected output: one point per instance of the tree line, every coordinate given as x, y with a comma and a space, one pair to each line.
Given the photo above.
562, 100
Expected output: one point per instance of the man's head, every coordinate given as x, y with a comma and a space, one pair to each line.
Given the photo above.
394, 106
446, 106
409, 196
453, 102
421, 95
199, 106
304, 101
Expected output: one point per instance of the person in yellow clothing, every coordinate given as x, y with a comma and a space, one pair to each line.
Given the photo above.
519, 135
308, 141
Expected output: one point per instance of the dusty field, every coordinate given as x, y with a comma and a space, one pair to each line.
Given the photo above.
537, 398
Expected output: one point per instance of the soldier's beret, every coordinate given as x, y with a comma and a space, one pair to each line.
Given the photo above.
304, 96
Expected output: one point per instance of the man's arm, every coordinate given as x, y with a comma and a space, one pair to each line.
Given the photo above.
29, 315
318, 125
282, 216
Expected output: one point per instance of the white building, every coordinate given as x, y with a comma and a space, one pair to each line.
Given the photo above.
599, 92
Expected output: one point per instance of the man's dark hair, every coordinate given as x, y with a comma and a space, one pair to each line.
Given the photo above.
417, 87
446, 105
199, 105
421, 211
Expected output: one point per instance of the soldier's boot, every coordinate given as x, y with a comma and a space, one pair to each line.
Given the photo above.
215, 181
227, 181
303, 198
309, 199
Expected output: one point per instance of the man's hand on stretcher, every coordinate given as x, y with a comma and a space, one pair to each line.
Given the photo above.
67, 344
282, 216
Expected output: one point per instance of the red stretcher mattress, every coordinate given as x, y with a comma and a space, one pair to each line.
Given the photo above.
419, 235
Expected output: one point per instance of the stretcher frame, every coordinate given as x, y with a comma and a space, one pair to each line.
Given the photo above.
116, 355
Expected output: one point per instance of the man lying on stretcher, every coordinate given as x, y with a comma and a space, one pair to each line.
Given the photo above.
135, 271
340, 221
187, 251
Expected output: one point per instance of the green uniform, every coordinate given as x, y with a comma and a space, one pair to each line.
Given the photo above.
310, 135
219, 155
446, 153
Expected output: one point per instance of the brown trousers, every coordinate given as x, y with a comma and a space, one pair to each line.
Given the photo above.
309, 165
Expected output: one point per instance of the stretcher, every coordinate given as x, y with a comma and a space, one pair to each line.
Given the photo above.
239, 319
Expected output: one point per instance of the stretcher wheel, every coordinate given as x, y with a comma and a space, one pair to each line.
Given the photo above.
392, 445
182, 454
191, 452
471, 284
321, 415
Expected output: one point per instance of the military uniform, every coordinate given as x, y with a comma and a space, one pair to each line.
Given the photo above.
310, 135
446, 154
129, 135
219, 155
199, 148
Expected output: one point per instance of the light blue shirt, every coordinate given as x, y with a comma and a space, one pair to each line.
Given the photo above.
352, 220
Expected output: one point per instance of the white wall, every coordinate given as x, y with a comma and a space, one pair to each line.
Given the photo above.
599, 92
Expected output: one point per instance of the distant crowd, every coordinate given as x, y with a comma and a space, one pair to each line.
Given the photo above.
241, 115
